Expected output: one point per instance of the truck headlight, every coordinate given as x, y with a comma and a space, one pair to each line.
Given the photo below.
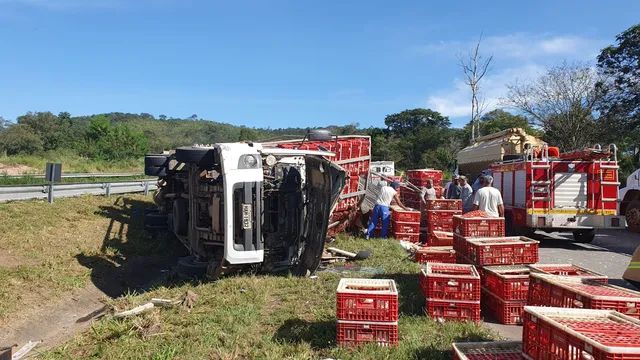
248, 162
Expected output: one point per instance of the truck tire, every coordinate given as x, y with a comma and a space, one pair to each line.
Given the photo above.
584, 236
189, 268
203, 157
632, 216
155, 160
159, 171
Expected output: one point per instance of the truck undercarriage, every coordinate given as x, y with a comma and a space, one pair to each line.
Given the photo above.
241, 206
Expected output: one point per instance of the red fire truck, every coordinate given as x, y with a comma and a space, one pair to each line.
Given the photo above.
549, 191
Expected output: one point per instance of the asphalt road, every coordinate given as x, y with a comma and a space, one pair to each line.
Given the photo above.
608, 254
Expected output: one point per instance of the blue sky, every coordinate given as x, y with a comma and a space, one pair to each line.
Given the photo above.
283, 63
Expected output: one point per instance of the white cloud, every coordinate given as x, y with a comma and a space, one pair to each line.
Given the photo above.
519, 46
517, 56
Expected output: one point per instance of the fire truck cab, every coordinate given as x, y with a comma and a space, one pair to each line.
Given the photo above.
575, 191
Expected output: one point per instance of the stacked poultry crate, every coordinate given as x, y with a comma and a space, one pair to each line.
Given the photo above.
563, 334
451, 291
367, 312
405, 224
481, 241
419, 178
439, 215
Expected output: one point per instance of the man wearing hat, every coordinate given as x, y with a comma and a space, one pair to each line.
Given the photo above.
454, 190
488, 198
387, 195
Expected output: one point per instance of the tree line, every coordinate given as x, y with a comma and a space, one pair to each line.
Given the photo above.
571, 106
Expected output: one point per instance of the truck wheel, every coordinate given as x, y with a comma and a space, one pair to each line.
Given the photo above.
159, 171
632, 216
203, 157
584, 236
189, 268
155, 160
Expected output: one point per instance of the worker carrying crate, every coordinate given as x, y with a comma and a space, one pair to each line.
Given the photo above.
381, 211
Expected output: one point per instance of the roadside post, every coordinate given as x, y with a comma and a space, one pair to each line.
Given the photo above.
53, 173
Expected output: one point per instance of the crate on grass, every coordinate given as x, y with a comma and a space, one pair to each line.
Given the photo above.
440, 281
550, 290
507, 312
439, 238
436, 254
398, 214
509, 282
367, 300
405, 227
450, 310
568, 334
510, 250
478, 226
353, 333
494, 350
569, 270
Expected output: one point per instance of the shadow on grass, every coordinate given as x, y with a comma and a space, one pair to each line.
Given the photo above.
319, 334
130, 259
411, 301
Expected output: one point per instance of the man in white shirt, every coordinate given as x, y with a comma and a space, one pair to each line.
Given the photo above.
388, 194
466, 195
428, 191
488, 198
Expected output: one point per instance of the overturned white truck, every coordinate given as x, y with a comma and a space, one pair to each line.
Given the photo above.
238, 206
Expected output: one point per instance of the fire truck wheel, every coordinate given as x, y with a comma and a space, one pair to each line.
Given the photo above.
584, 236
632, 216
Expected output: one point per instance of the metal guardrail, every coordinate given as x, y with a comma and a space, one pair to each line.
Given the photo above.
75, 176
9, 193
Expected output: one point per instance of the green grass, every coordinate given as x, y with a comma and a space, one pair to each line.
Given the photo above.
269, 317
47, 250
71, 163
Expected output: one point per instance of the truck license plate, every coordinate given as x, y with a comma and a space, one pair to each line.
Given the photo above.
247, 216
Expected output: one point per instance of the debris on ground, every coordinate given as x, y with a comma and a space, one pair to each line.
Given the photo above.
25, 350
189, 300
135, 311
148, 325
6, 352
346, 269
164, 302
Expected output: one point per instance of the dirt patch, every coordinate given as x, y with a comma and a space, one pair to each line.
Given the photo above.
16, 169
9, 261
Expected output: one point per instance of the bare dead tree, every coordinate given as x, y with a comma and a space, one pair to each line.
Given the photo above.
475, 67
561, 102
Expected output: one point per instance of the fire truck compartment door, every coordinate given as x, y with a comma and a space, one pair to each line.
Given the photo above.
570, 190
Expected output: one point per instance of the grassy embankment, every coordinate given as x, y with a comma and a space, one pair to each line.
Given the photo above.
49, 250
71, 163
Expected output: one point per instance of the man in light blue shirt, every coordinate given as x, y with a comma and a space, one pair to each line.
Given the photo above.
466, 194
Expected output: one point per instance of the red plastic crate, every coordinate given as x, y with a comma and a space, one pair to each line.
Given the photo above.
508, 282
444, 204
439, 238
494, 350
397, 214
460, 244
507, 312
353, 333
410, 237
425, 174
478, 226
453, 310
570, 270
502, 251
549, 290
406, 227
439, 281
437, 254
577, 334
367, 300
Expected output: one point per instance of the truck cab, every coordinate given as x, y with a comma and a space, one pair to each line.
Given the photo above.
241, 206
